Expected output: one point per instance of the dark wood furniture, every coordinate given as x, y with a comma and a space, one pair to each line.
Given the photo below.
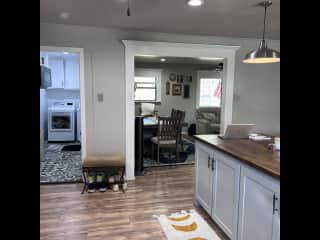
178, 114
144, 125
167, 137
139, 146
103, 163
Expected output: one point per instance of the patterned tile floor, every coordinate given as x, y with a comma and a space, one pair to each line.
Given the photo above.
65, 166
60, 166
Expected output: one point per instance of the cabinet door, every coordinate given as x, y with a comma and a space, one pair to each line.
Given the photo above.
57, 72
204, 176
72, 70
259, 217
226, 178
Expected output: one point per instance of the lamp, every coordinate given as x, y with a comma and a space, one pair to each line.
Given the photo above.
263, 54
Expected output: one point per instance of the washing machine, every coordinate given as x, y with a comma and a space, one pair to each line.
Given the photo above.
61, 121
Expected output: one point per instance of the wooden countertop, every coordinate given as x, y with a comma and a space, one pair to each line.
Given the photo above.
254, 153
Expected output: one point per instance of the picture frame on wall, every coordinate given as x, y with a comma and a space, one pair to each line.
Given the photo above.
176, 89
186, 91
172, 77
187, 79
167, 88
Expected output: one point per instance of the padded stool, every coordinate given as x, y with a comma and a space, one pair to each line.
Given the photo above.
102, 162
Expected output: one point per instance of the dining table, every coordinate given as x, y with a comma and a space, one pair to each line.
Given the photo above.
152, 122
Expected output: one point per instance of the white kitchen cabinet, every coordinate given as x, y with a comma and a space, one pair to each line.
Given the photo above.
72, 74
204, 176
217, 187
226, 178
259, 206
57, 67
65, 73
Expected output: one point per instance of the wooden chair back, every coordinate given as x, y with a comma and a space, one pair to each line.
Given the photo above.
178, 114
168, 128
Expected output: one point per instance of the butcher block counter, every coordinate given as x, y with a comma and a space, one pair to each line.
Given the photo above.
237, 182
254, 153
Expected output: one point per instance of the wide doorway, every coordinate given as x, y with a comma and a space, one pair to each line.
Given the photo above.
164, 85
60, 116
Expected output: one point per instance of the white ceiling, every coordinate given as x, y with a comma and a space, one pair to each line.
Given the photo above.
230, 18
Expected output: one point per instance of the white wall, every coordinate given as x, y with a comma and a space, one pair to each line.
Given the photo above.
257, 85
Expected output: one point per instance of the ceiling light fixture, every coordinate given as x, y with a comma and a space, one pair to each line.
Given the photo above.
195, 3
263, 54
66, 53
162, 59
64, 15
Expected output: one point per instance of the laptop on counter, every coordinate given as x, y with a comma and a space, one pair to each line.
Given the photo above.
237, 131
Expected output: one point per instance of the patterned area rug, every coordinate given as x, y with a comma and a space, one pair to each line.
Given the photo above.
186, 226
60, 166
186, 157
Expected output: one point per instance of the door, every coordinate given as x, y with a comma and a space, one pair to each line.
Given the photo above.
226, 178
259, 216
57, 72
204, 176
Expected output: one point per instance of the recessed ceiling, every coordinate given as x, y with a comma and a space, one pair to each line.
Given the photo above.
229, 18
177, 60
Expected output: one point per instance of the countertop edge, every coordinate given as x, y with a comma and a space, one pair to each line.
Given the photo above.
246, 161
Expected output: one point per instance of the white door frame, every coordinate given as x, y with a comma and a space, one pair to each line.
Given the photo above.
133, 48
82, 90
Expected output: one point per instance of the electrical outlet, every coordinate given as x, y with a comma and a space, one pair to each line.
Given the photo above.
100, 97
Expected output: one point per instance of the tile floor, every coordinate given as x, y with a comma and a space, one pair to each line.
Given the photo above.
60, 166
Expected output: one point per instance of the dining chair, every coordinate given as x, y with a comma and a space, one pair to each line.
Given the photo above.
167, 137
175, 113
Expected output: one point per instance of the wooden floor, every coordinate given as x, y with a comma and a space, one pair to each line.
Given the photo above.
66, 214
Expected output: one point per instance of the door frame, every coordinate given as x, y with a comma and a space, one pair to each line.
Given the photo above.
133, 48
82, 90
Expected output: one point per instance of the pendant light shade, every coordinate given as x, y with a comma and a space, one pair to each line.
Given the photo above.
263, 54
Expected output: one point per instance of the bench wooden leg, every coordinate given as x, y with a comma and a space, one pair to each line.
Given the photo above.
122, 178
85, 181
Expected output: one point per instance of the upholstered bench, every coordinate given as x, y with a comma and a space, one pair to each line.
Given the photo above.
102, 162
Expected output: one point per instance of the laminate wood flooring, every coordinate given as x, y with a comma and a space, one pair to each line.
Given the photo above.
68, 215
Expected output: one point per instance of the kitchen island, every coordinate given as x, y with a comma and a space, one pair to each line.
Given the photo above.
238, 184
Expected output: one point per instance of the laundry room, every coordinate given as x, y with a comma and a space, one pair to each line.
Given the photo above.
60, 124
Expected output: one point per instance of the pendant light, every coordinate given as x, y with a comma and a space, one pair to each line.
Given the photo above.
263, 54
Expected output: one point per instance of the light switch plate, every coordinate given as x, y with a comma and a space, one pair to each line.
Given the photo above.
100, 97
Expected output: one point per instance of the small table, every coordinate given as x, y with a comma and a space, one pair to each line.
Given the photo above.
152, 122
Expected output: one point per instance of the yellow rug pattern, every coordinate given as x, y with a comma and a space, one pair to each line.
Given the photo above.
186, 226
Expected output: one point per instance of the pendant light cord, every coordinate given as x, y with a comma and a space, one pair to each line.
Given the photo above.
128, 9
264, 22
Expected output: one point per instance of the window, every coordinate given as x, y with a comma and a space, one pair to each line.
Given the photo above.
145, 88
210, 92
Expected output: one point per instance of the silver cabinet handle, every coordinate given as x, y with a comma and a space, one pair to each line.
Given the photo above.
213, 164
208, 161
274, 203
